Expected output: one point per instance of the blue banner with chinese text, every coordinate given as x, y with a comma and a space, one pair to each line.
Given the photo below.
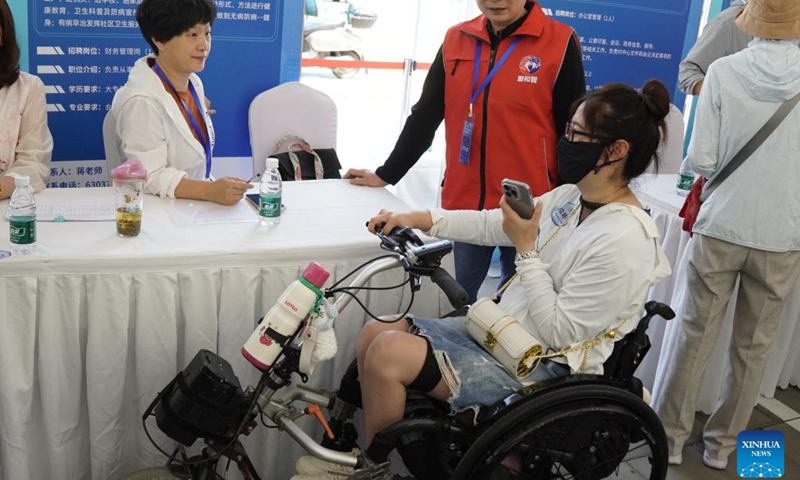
630, 41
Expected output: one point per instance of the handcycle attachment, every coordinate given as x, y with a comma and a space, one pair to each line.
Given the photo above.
206, 399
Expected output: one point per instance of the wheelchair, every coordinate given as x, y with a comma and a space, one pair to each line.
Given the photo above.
582, 427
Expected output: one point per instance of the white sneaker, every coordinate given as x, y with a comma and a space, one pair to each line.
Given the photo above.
712, 462
310, 465
314, 467
675, 459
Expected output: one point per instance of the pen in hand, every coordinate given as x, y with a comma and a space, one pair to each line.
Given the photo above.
255, 177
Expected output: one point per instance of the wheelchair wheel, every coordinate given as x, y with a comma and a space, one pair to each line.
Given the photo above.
587, 432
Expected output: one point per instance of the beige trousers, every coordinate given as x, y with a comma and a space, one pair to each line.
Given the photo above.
766, 278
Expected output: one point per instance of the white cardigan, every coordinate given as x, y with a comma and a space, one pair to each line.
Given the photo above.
26, 145
151, 128
590, 278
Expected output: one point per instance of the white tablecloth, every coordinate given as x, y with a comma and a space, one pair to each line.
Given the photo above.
93, 325
657, 192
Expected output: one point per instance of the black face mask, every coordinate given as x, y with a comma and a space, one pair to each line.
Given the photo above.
577, 159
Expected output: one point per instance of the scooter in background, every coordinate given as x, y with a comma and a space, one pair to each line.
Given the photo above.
332, 37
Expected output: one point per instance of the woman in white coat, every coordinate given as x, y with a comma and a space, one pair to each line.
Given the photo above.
160, 116
25, 141
746, 229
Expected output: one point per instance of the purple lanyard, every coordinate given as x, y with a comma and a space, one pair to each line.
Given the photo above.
204, 139
492, 73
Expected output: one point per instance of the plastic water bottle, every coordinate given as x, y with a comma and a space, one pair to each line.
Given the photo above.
22, 217
269, 204
685, 178
281, 322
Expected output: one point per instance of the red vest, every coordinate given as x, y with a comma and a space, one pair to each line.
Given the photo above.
519, 130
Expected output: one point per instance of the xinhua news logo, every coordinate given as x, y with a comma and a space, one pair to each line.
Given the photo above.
759, 454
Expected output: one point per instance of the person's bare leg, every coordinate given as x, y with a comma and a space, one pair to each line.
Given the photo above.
371, 330
392, 361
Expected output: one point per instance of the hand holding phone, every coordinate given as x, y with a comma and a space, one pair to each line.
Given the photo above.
518, 196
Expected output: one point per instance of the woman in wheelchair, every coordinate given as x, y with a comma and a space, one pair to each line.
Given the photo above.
585, 262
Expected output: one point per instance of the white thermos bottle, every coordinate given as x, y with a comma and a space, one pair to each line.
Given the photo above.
283, 319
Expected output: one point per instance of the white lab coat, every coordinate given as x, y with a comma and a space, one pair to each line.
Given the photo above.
151, 128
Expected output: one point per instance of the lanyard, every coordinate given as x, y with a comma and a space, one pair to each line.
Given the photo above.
205, 139
492, 73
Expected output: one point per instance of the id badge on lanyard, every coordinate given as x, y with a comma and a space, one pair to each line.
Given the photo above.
466, 137
469, 123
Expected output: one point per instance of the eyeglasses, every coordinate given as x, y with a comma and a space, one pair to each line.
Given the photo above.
570, 133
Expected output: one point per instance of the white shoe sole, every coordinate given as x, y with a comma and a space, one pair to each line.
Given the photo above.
713, 462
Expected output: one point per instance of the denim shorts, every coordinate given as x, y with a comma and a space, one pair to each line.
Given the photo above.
474, 377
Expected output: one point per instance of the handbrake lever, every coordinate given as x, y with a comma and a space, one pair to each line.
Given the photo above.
398, 239
424, 259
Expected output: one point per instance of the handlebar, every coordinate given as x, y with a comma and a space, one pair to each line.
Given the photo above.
424, 260
456, 294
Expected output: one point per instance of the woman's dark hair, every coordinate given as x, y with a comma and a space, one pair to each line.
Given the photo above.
618, 112
9, 49
163, 20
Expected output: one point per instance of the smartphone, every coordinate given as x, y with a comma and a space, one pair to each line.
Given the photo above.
253, 198
518, 196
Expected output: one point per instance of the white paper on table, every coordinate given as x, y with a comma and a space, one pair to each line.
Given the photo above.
90, 208
198, 211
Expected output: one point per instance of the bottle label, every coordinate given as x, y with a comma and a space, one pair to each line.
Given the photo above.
269, 206
685, 181
23, 230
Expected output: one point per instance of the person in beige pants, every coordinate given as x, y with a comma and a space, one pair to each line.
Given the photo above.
742, 231
766, 279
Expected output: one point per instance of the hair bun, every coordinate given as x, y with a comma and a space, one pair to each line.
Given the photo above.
656, 98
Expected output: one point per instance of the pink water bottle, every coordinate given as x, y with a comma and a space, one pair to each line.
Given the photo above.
283, 319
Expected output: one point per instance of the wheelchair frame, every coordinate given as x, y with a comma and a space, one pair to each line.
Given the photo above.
429, 416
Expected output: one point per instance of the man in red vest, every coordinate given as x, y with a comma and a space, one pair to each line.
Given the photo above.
503, 83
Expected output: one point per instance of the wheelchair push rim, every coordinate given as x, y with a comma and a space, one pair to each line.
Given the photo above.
589, 432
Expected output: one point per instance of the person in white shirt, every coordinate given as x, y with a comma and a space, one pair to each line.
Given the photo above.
585, 262
746, 229
160, 116
26, 145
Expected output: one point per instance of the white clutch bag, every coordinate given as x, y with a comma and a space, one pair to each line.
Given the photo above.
503, 337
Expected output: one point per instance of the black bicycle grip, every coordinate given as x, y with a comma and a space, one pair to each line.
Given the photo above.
455, 292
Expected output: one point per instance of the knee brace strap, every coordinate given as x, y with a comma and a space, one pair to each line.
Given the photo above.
429, 375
